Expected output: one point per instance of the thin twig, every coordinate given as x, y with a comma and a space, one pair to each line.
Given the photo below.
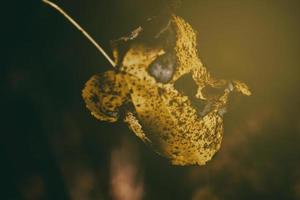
53, 5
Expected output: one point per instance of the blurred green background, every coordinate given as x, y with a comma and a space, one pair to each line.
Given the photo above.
52, 148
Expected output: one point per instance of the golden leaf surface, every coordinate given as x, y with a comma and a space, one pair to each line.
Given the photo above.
143, 91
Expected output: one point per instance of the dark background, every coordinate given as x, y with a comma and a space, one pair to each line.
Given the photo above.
52, 148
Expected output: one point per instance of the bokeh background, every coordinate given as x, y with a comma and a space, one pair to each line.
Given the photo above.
52, 148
